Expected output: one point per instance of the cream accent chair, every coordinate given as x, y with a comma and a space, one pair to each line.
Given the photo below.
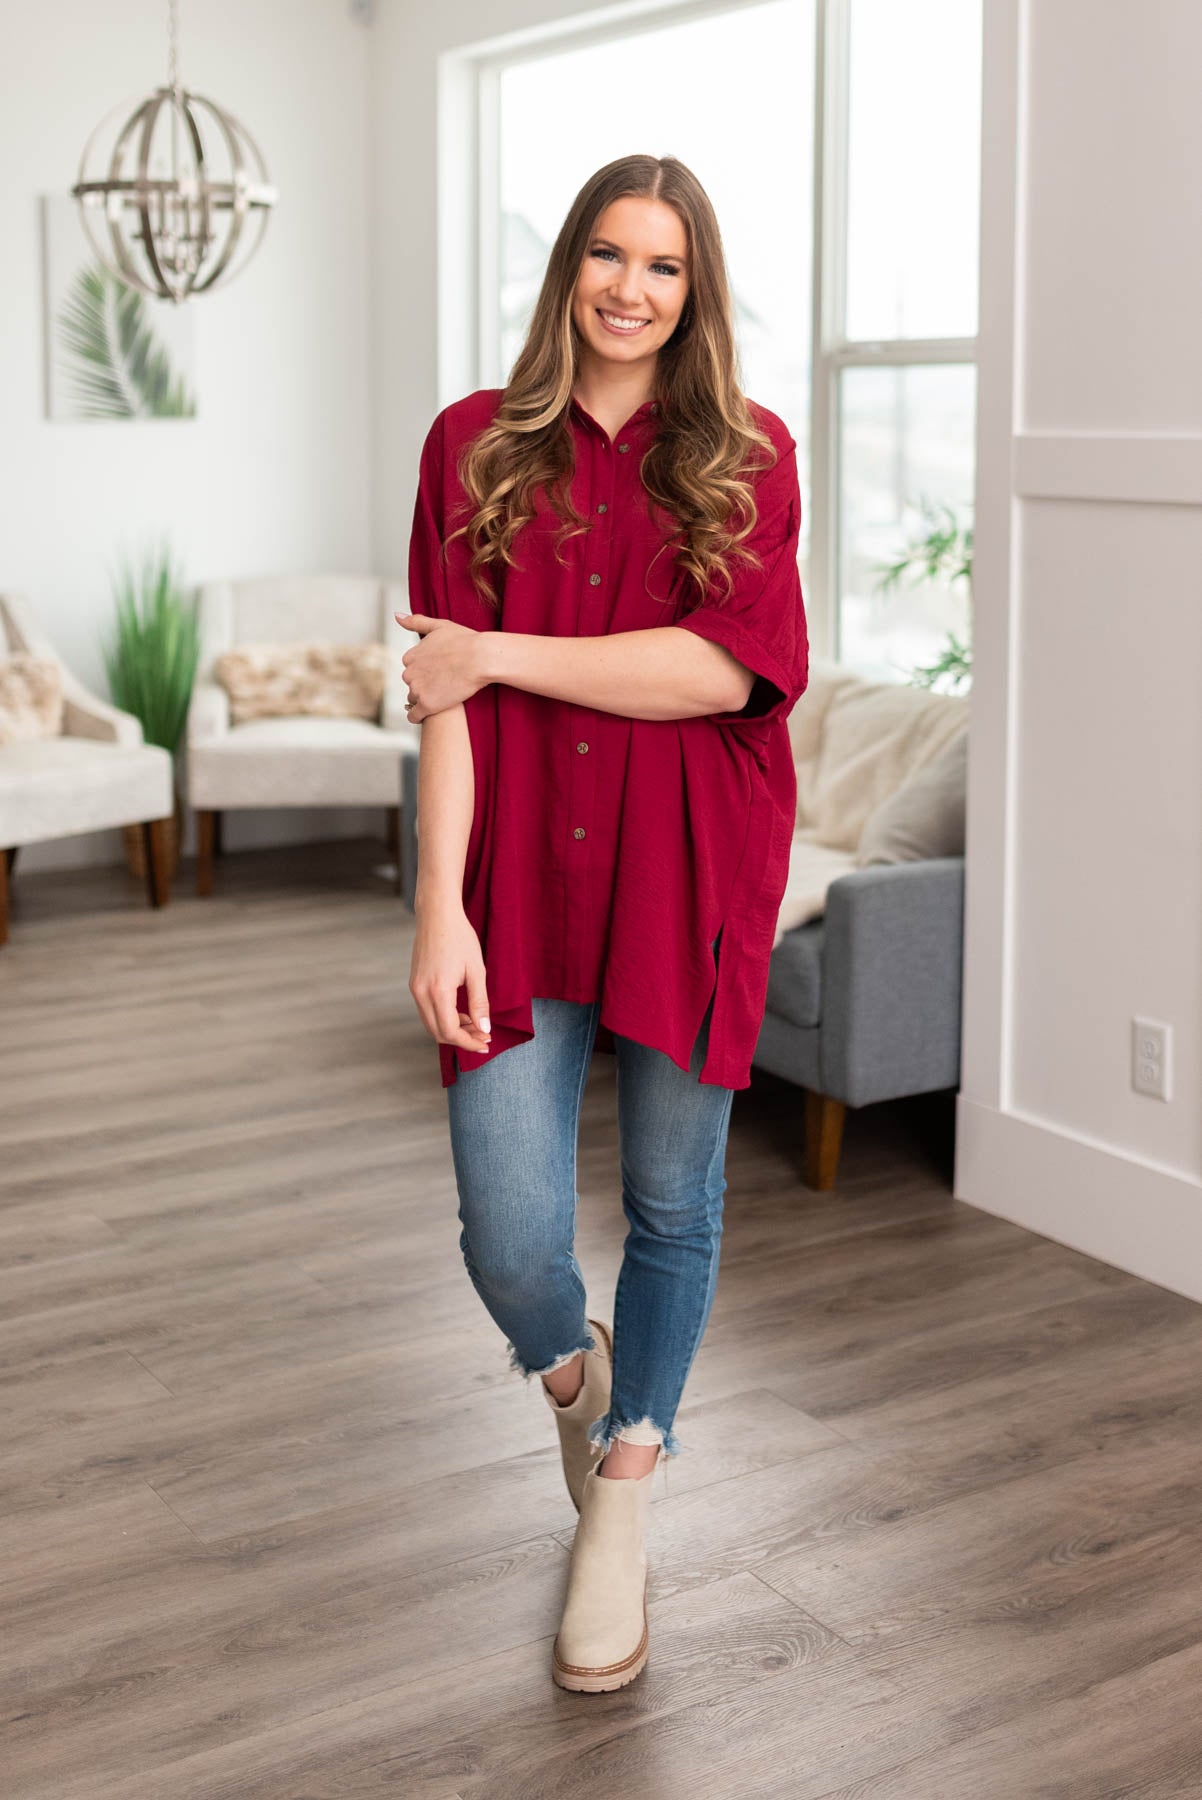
95, 774
301, 760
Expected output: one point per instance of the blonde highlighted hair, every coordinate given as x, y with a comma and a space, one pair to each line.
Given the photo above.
697, 468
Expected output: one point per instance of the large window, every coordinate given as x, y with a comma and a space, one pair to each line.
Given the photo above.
838, 141
895, 337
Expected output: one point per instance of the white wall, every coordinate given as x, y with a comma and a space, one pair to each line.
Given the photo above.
273, 475
1085, 827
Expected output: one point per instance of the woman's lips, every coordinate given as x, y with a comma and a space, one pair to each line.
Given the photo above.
620, 330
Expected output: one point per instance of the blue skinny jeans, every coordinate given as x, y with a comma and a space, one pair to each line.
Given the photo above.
514, 1124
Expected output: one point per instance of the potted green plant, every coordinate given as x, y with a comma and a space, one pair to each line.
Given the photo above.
151, 662
941, 549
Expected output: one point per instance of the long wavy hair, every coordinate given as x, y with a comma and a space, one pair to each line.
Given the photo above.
697, 469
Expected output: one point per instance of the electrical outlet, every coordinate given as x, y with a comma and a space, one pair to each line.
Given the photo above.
1151, 1058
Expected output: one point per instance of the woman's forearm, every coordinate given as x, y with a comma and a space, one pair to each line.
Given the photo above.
660, 673
446, 799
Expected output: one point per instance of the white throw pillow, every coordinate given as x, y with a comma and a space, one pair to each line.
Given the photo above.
875, 735
925, 816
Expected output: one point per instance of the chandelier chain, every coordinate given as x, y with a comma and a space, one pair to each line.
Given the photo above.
172, 47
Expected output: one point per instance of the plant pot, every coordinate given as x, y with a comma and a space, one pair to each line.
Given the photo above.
135, 846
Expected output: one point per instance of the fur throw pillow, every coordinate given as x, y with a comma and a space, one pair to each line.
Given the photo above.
31, 698
273, 681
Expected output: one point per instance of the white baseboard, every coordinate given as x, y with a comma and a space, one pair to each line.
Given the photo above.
1092, 1196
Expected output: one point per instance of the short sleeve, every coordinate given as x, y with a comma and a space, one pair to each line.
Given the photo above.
440, 583
762, 621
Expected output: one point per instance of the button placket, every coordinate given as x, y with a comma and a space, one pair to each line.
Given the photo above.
595, 554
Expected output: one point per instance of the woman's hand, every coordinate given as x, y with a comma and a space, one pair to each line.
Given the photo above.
444, 668
446, 954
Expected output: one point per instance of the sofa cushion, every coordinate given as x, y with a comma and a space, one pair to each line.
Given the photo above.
62, 785
271, 681
873, 737
31, 698
795, 976
300, 762
925, 817
304, 732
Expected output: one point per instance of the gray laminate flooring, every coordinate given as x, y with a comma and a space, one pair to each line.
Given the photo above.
277, 1522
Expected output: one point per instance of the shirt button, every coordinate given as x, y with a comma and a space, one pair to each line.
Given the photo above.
579, 831
623, 448
594, 581
582, 748
601, 506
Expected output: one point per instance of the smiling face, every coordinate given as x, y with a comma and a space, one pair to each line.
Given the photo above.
633, 282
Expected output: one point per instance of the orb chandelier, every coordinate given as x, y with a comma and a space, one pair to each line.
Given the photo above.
174, 225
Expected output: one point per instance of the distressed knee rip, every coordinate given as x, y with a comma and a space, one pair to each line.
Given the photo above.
641, 1431
527, 1370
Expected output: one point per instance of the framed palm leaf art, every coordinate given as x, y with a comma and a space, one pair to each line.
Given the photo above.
111, 351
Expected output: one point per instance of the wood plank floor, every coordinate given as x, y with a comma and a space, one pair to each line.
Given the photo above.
277, 1522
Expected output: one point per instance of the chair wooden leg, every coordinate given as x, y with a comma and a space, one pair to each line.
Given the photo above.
154, 837
824, 1139
218, 834
204, 852
394, 842
4, 868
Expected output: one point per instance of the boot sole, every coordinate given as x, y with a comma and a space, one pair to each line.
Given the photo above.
604, 1679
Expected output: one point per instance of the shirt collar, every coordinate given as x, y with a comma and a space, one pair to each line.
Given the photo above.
647, 413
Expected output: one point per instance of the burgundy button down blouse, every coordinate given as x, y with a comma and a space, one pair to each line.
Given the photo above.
607, 854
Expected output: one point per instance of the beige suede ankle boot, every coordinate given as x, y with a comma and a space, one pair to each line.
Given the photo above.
574, 1419
602, 1641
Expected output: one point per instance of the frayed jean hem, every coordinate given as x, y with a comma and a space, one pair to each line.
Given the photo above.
604, 1430
527, 1370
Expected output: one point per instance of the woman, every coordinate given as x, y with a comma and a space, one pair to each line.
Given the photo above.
603, 570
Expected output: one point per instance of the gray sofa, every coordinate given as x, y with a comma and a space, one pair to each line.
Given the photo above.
864, 985
864, 1003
